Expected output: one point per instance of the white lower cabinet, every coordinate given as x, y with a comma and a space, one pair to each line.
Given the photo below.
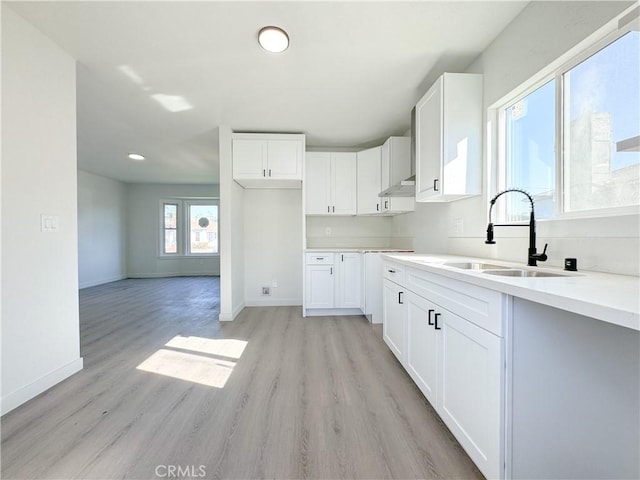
456, 363
395, 319
469, 389
333, 281
422, 345
320, 286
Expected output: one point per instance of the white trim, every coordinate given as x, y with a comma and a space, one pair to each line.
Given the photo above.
273, 302
229, 317
26, 393
331, 312
101, 282
166, 275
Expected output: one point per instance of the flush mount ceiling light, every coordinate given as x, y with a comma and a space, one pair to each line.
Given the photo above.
273, 39
136, 156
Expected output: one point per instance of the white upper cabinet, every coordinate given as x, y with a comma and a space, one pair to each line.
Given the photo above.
396, 161
330, 183
391, 161
268, 160
449, 139
369, 168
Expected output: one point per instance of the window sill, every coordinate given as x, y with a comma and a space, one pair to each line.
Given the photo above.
193, 257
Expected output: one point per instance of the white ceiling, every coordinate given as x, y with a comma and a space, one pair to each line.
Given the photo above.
349, 78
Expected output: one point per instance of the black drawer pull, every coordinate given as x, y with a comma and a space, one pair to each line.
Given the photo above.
431, 310
436, 320
400, 298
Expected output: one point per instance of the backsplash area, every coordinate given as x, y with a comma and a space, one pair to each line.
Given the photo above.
349, 232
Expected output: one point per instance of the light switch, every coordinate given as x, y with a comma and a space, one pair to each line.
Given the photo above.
48, 223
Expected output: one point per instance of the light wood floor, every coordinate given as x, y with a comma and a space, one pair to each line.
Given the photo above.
308, 398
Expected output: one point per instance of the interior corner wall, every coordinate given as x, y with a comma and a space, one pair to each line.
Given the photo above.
143, 232
102, 225
273, 246
231, 233
40, 319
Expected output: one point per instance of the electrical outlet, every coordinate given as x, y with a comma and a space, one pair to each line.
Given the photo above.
266, 291
327, 231
274, 283
458, 225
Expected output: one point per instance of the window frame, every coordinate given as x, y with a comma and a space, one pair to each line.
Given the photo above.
183, 227
555, 74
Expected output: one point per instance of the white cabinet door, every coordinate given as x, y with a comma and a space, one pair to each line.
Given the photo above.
368, 180
349, 291
449, 139
284, 159
249, 158
469, 389
422, 345
395, 161
429, 142
394, 319
343, 183
320, 286
316, 179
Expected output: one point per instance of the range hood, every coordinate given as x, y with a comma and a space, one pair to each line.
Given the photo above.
406, 188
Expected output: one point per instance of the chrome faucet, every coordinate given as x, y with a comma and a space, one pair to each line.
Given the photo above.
533, 256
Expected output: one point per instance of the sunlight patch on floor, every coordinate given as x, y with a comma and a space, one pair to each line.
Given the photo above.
224, 347
194, 359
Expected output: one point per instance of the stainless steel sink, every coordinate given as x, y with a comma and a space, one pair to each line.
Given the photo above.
473, 266
525, 273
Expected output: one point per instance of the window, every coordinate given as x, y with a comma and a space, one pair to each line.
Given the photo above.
530, 153
573, 142
189, 227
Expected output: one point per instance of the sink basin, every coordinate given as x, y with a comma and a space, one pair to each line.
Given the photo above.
525, 273
473, 266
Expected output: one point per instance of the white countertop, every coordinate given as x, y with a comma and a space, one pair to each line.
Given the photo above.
360, 250
611, 298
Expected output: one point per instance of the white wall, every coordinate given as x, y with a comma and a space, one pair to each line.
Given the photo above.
346, 232
40, 322
143, 227
532, 43
231, 233
102, 227
273, 246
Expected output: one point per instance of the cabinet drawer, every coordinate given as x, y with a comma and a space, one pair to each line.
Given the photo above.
394, 272
319, 258
475, 304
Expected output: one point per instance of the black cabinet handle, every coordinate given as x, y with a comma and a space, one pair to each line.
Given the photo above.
264, 173
435, 184
377, 207
431, 310
269, 172
342, 257
328, 209
331, 271
436, 320
386, 204
334, 209
391, 270
319, 258
400, 298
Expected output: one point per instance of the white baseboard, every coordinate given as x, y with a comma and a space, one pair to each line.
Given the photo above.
181, 274
26, 393
273, 302
331, 312
228, 317
101, 282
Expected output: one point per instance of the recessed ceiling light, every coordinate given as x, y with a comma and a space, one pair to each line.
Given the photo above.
273, 39
136, 156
